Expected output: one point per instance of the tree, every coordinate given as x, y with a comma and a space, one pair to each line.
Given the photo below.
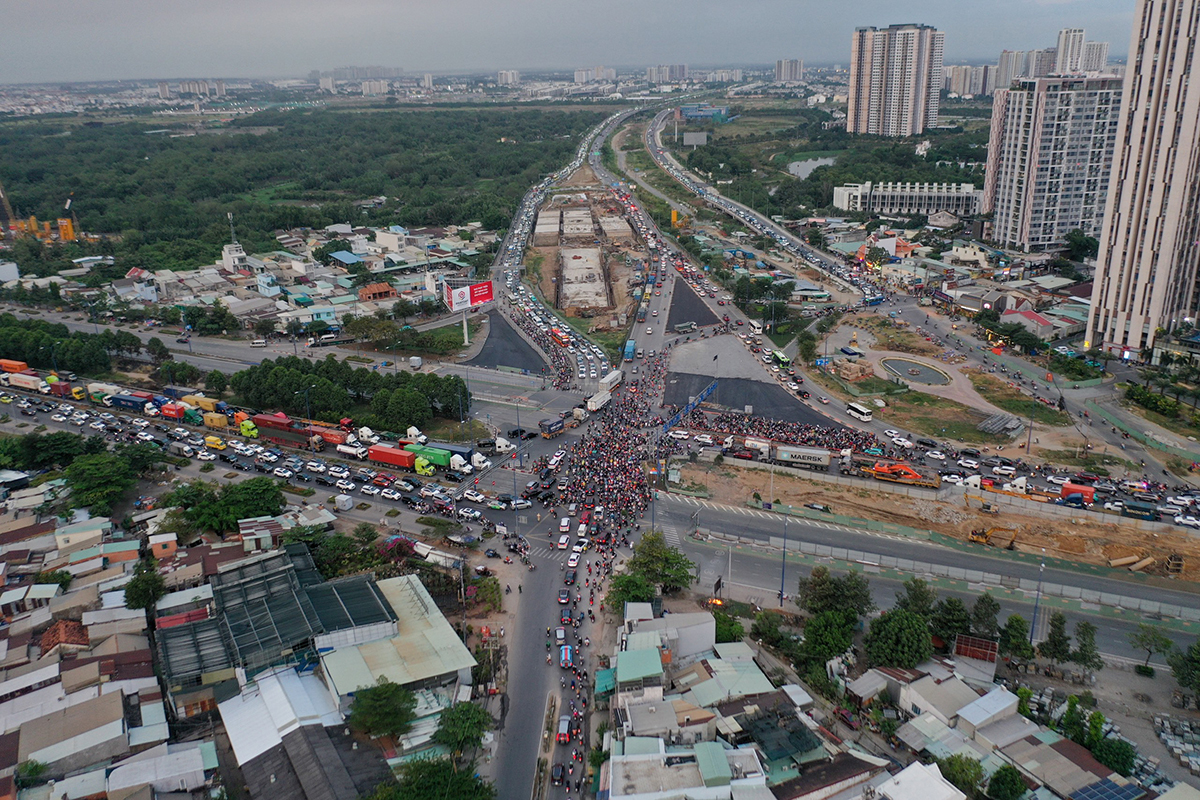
146, 587
877, 257
828, 634
1085, 653
1006, 784
216, 382
1014, 638
728, 628
1024, 695
1057, 646
365, 534
662, 565
256, 497
434, 779
264, 328
629, 588
462, 726
985, 614
898, 638
59, 576
818, 592
918, 598
964, 772
1081, 245
385, 709
406, 408
1185, 666
1116, 754
1149, 638
98, 480
157, 351
950, 618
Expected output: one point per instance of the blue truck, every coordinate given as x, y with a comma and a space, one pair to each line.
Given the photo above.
630, 349
178, 392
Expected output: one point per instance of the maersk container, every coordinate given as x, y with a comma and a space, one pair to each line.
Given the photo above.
805, 456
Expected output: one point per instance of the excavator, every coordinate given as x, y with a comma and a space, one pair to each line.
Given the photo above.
985, 536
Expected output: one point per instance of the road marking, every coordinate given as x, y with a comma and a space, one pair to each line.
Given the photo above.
671, 534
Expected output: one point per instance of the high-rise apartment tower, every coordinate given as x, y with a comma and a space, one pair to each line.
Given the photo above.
895, 80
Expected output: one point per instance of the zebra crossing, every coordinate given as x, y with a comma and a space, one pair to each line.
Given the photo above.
755, 512
671, 534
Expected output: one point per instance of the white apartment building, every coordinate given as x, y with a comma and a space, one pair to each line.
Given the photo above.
789, 70
1049, 157
1147, 270
895, 80
906, 199
1068, 56
508, 77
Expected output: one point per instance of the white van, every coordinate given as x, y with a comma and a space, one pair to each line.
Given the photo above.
259, 343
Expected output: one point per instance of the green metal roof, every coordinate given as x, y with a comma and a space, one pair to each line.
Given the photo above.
714, 768
642, 745
634, 665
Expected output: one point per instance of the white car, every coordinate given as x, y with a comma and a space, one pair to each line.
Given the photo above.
391, 494
1187, 520
474, 496
954, 479
900, 441
793, 386
564, 525
968, 463
140, 423
97, 425
649, 331
579, 546
573, 561
1058, 480
703, 438
145, 437
520, 503
469, 513
936, 455
315, 466
1114, 505
58, 418
564, 542
1004, 470
205, 455
282, 472
891, 434
680, 435
371, 490
346, 486
79, 421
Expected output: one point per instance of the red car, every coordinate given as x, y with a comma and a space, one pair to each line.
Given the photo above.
740, 322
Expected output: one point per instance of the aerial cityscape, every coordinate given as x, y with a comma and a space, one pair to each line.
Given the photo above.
764, 402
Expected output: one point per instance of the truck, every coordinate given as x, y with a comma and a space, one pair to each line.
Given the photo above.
812, 457
127, 402
763, 446
29, 381
352, 450
434, 455
598, 401
611, 380
9, 365
247, 428
215, 420
480, 461
685, 327
181, 449
209, 404
416, 362
641, 312
215, 442
367, 435
900, 472
343, 502
392, 456
281, 429
172, 411
630, 349
415, 434
333, 436
463, 450
1140, 510
460, 464
503, 445
98, 392
1088, 493
64, 389
176, 392
551, 427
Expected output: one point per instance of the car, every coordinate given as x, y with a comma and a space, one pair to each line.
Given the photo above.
891, 434
793, 385
455, 477
520, 503
370, 489
206, 455
390, 494
1004, 470
1187, 520
649, 331
569, 577
96, 426
469, 513
408, 484
58, 418
564, 525
345, 485
564, 617
431, 489
968, 463
900, 441
680, 435
952, 478
1058, 480
823, 401
282, 472
564, 596
497, 504
339, 472
564, 541
703, 438
1114, 505
474, 497
315, 466
517, 433
936, 455
580, 546
573, 561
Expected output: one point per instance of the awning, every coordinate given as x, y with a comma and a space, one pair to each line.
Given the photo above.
606, 681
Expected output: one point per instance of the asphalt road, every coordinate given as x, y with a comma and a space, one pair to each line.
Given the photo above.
506, 348
767, 399
686, 306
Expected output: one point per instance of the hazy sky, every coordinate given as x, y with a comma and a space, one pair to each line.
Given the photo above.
69, 40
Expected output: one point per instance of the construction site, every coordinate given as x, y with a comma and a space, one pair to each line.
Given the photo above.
589, 253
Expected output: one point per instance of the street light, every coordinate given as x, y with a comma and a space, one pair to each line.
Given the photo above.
1038, 597
53, 355
307, 407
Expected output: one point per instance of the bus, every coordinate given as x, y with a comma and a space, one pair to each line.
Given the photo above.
756, 327
859, 412
1139, 510
780, 358
873, 300
559, 337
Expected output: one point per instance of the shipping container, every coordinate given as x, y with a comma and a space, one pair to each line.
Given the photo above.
392, 456
214, 420
172, 411
1088, 492
433, 455
177, 392
333, 436
610, 381
464, 450
30, 383
8, 365
61, 389
127, 402
550, 427
802, 456
598, 401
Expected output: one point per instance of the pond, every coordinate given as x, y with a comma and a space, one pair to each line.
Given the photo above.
802, 169
915, 372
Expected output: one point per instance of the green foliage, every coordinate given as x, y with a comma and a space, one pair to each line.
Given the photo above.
211, 508
1185, 666
728, 628
168, 196
462, 726
1158, 403
1149, 638
918, 598
434, 779
822, 591
216, 382
989, 319
98, 480
336, 554
1116, 754
950, 619
628, 588
1024, 695
829, 634
59, 576
898, 638
1006, 784
1014, 638
1057, 646
1073, 722
146, 587
964, 772
660, 564
42, 344
985, 617
29, 773
385, 709
1086, 654
1081, 245
597, 756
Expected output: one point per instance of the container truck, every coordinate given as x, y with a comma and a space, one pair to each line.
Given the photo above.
352, 450
333, 436
208, 404
460, 464
761, 445
630, 349
30, 383
503, 445
247, 428
1087, 492
611, 380
9, 365
415, 434
192, 417
814, 457
466, 451
178, 392
367, 435
598, 401
551, 427
127, 402
434, 455
280, 429
215, 420
392, 456
98, 391
63, 389
172, 411
480, 461
180, 449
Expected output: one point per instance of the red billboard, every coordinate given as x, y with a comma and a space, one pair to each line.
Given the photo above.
459, 297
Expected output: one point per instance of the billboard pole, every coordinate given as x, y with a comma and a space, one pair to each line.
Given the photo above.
466, 339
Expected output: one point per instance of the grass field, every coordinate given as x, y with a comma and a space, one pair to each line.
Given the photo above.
937, 417
999, 394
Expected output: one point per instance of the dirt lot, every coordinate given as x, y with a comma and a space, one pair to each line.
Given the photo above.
1084, 540
581, 177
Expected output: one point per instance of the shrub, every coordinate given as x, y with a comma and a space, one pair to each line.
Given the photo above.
1142, 669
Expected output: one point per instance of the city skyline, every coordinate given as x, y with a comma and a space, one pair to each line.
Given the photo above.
139, 40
